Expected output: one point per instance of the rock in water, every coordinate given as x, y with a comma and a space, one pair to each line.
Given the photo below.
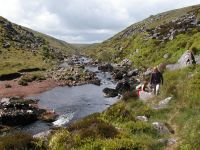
118, 75
18, 111
106, 68
96, 82
110, 92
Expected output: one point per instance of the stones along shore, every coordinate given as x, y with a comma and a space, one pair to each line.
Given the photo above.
17, 111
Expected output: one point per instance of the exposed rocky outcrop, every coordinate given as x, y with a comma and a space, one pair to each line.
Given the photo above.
170, 30
18, 111
24, 39
74, 75
184, 61
18, 36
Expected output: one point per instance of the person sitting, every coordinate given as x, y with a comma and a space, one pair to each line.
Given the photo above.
143, 91
156, 80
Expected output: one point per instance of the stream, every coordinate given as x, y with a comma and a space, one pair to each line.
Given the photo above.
72, 103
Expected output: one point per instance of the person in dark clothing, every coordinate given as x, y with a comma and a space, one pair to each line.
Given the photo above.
156, 80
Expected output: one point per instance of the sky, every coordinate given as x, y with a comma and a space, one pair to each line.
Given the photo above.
84, 21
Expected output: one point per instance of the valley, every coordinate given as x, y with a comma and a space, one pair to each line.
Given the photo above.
86, 96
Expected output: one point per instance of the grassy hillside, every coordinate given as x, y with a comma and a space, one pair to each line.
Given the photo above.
22, 48
64, 46
118, 128
80, 46
146, 42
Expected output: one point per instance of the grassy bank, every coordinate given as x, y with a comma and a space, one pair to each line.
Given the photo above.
117, 127
133, 42
13, 60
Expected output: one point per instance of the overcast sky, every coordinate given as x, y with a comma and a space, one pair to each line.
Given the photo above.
84, 21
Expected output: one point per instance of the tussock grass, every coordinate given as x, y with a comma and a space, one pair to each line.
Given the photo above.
181, 116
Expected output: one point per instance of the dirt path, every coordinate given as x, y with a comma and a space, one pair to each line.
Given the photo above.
23, 91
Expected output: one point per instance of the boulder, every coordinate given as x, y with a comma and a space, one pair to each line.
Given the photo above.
162, 128
18, 119
142, 118
147, 72
184, 61
96, 82
118, 75
106, 68
110, 92
163, 103
134, 72
48, 116
123, 87
18, 111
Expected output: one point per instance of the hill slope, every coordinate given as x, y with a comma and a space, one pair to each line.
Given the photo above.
146, 42
22, 48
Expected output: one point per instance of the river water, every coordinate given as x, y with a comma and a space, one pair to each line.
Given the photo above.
72, 103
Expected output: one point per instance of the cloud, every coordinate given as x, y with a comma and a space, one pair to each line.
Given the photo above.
84, 21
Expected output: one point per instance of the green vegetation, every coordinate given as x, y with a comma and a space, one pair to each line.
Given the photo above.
19, 141
181, 116
143, 51
13, 60
26, 48
117, 128
59, 44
